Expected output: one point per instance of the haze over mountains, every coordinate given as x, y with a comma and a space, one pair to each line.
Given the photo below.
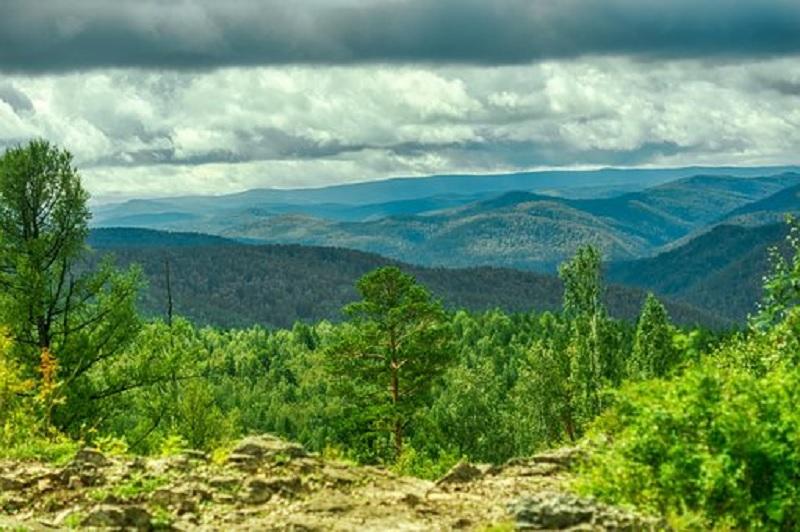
486, 220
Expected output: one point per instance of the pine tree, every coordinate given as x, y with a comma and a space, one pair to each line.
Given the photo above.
393, 350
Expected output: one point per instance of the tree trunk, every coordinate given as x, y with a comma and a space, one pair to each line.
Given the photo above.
398, 423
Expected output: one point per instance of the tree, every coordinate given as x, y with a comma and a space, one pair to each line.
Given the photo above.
393, 349
581, 277
653, 354
782, 286
591, 360
64, 320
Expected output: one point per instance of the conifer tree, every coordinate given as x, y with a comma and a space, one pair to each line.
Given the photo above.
394, 349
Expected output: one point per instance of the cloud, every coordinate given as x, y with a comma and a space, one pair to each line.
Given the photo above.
67, 35
145, 133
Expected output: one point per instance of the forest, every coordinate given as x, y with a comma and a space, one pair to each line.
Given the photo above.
697, 425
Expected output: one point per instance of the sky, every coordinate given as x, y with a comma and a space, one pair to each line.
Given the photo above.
175, 97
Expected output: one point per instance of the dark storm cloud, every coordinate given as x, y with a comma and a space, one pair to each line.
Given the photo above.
64, 35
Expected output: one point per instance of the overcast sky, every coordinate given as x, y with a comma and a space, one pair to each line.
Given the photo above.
202, 96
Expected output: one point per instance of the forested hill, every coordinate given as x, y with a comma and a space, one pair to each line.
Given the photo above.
225, 283
722, 269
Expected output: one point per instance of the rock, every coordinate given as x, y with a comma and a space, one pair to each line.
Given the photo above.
193, 454
335, 503
83, 473
460, 473
224, 498
224, 483
265, 448
339, 475
258, 490
118, 517
11, 484
12, 504
183, 499
565, 457
562, 511
88, 455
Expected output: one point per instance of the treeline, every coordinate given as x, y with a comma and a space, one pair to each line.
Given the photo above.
696, 426
228, 284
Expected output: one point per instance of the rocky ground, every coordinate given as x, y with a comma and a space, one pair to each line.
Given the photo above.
270, 484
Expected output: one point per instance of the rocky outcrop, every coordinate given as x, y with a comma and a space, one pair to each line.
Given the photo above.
562, 511
270, 484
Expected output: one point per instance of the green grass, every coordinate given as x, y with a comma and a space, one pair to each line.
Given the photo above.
131, 489
57, 452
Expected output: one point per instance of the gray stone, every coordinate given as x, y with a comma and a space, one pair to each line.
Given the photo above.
118, 517
460, 473
11, 484
563, 511
88, 455
266, 447
260, 490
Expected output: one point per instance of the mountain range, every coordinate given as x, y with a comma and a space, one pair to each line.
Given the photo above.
267, 256
519, 229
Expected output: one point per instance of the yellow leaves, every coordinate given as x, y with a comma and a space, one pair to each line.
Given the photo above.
11, 382
48, 367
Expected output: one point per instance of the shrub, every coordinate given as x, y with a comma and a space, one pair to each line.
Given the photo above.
719, 444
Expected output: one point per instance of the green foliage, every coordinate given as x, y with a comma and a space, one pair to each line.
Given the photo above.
66, 322
654, 353
717, 445
412, 463
392, 352
720, 444
582, 284
232, 285
133, 488
782, 287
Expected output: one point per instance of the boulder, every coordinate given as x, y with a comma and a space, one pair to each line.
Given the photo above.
9, 483
565, 457
564, 511
268, 446
460, 473
91, 456
108, 516
260, 490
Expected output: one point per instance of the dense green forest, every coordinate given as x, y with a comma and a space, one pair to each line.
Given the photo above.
698, 426
225, 283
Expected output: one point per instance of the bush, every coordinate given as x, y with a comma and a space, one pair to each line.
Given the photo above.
718, 445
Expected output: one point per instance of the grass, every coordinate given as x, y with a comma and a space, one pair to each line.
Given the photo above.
131, 489
57, 452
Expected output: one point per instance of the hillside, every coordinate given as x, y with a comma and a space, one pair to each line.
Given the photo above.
722, 269
225, 283
527, 230
768, 210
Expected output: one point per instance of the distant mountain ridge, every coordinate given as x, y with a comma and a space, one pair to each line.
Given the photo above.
339, 198
469, 226
531, 231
